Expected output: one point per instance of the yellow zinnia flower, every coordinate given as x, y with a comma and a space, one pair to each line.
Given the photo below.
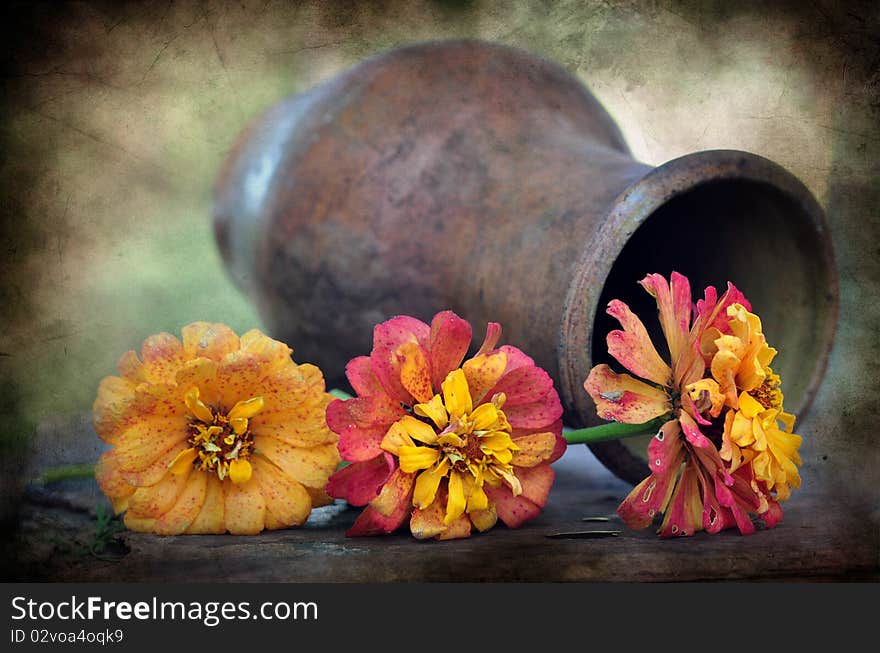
215, 433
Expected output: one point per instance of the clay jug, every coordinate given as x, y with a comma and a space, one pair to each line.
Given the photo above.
484, 179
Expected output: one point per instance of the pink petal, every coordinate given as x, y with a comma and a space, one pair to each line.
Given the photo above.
651, 496
398, 330
713, 313
536, 483
360, 444
535, 415
371, 522
622, 398
359, 483
516, 359
674, 305
450, 339
633, 348
773, 515
664, 451
362, 377
493, 335
684, 516
513, 511
523, 385
386, 367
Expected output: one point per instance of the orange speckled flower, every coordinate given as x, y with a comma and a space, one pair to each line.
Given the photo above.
215, 433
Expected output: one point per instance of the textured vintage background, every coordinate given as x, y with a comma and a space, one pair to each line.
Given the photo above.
115, 118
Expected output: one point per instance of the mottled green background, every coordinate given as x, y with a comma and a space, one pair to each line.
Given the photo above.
116, 118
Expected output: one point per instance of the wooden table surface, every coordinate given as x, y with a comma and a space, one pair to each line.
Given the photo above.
819, 539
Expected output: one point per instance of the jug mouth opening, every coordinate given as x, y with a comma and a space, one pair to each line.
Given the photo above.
714, 216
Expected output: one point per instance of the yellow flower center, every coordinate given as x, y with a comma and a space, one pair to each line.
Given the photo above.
447, 437
219, 443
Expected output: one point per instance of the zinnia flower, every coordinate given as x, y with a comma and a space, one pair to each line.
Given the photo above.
216, 433
445, 444
721, 456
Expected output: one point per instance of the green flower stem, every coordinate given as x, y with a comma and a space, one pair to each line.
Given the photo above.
64, 473
613, 431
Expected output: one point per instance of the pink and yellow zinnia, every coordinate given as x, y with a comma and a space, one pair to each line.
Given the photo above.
443, 444
213, 434
722, 455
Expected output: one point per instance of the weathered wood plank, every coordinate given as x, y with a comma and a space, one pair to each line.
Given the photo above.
818, 539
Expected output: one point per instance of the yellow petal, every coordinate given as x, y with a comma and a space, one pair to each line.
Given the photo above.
484, 519
183, 461
412, 459
239, 424
395, 493
456, 501
456, 395
427, 522
240, 471
498, 441
310, 466
433, 410
477, 501
246, 409
749, 406
196, 407
418, 430
395, 438
427, 484
484, 417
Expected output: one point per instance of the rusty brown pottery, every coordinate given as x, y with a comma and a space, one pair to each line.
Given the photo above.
484, 179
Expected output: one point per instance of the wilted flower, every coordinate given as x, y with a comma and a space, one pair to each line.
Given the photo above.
445, 444
721, 455
216, 433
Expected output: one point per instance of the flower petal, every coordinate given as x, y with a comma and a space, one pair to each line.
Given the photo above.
493, 335
210, 518
115, 394
456, 394
362, 378
433, 410
652, 495
456, 529
186, 508
482, 373
484, 519
245, 508
310, 466
456, 500
513, 511
523, 385
633, 348
412, 459
415, 371
371, 522
428, 481
397, 489
685, 514
112, 482
162, 355
286, 499
533, 449
428, 522
537, 415
450, 339
674, 305
359, 483
156, 500
206, 340
622, 398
